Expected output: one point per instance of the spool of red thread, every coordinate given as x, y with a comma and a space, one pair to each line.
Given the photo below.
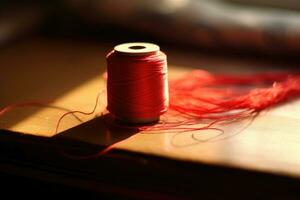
137, 82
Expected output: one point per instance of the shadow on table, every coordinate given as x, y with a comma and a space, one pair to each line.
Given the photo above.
94, 136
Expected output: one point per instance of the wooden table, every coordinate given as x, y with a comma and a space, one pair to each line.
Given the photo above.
253, 159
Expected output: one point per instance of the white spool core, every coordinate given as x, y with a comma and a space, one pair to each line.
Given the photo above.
137, 48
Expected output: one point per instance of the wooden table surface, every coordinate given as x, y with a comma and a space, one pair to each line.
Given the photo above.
69, 74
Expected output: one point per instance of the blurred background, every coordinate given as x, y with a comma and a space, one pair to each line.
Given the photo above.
269, 27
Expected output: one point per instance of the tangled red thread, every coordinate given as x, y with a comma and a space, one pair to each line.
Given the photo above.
200, 100
215, 98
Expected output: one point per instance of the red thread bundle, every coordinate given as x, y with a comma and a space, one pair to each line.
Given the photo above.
137, 86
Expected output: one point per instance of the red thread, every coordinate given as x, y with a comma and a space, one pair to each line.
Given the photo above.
11, 107
73, 112
201, 97
23, 104
207, 96
137, 86
200, 100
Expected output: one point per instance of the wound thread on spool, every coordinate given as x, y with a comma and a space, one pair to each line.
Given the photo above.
137, 82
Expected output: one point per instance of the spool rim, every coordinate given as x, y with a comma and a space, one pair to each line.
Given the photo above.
137, 48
